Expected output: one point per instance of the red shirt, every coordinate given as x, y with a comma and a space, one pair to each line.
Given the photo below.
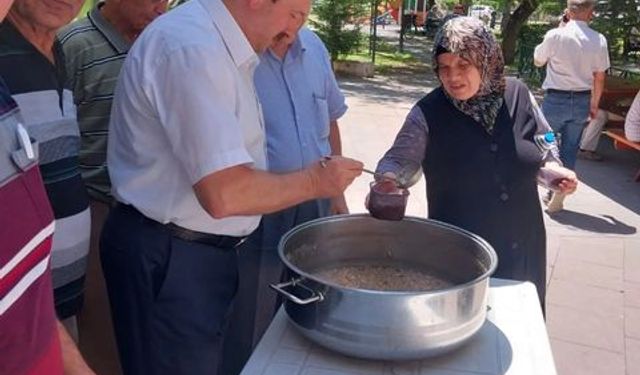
29, 342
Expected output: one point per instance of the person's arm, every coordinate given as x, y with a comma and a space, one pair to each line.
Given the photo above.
551, 161
543, 51
596, 93
337, 107
73, 362
208, 141
409, 147
241, 190
632, 122
338, 203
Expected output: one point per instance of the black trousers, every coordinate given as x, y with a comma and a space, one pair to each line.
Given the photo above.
169, 297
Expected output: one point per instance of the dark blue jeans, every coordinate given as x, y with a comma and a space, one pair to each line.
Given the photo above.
568, 114
169, 297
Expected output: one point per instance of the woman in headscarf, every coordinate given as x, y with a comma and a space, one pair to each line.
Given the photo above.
473, 137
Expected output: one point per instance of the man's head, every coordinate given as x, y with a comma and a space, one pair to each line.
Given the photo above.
45, 15
284, 39
135, 15
265, 21
459, 9
581, 10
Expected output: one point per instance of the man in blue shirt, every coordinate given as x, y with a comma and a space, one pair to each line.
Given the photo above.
301, 104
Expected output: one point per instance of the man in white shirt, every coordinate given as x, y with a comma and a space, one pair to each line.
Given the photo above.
187, 160
576, 57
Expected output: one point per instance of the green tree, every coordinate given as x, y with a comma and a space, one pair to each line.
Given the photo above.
338, 23
616, 19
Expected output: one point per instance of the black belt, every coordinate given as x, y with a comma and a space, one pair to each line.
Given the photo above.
568, 92
223, 242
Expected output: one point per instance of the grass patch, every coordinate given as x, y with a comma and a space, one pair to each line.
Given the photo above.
387, 58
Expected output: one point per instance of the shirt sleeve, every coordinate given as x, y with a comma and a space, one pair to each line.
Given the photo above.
410, 145
194, 93
542, 127
543, 51
632, 122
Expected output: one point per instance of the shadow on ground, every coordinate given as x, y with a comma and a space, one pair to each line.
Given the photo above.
598, 224
613, 177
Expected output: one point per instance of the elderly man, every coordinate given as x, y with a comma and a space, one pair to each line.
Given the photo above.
186, 158
577, 58
33, 342
32, 63
95, 48
301, 102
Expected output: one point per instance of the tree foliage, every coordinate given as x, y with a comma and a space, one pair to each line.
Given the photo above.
615, 19
338, 23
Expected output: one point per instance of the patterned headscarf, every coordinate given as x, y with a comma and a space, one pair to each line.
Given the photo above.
468, 38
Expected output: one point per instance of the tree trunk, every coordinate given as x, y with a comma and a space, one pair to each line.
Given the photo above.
512, 29
506, 14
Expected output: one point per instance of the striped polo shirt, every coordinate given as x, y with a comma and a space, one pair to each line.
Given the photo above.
48, 113
28, 333
94, 52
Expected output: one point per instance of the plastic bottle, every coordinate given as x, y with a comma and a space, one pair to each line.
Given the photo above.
547, 143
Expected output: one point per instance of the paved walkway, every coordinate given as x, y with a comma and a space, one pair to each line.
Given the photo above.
593, 298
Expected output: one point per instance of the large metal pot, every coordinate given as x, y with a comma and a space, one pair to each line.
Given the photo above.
386, 324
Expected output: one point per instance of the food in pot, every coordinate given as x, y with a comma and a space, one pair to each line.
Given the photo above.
383, 277
387, 201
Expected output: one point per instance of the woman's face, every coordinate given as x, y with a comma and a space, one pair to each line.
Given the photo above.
460, 79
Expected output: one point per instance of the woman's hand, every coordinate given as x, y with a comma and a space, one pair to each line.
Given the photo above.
389, 175
568, 182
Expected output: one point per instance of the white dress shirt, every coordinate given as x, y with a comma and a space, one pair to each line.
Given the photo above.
572, 54
185, 107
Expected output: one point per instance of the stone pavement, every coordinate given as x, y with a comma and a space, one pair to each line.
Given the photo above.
593, 297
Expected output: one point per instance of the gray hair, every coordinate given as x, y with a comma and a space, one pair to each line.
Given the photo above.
579, 6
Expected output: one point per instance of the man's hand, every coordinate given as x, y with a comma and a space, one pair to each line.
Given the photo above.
331, 176
339, 205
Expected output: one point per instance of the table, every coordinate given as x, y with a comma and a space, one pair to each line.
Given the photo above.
513, 341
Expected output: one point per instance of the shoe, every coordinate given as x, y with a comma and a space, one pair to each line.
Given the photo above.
555, 204
589, 155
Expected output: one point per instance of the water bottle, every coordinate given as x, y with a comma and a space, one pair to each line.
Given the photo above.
547, 143
548, 177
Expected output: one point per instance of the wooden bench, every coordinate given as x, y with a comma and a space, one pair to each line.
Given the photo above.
622, 143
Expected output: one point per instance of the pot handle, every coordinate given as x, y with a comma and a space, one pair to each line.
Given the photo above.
315, 296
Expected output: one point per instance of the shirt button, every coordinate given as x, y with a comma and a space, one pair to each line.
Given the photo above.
503, 187
504, 197
493, 147
514, 245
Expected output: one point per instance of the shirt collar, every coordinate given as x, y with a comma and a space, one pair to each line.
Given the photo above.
117, 41
234, 39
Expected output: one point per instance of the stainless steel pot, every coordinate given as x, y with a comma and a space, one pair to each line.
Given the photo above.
386, 324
